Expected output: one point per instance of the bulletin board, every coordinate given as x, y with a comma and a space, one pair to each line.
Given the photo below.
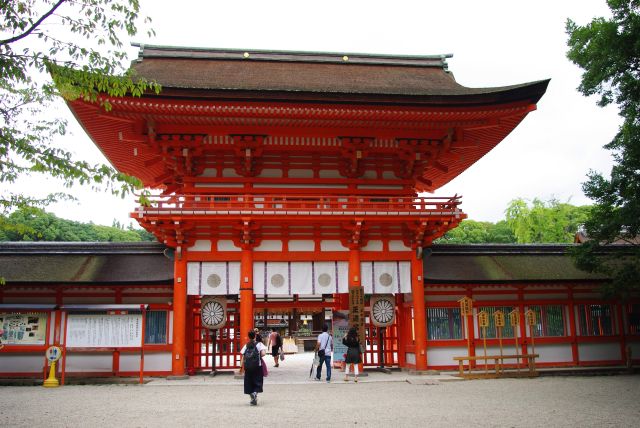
104, 330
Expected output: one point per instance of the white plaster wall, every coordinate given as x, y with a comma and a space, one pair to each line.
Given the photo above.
635, 350
89, 362
269, 245
226, 245
226, 185
300, 173
599, 351
379, 186
229, 172
153, 361
209, 172
410, 358
270, 173
398, 246
373, 246
560, 353
301, 245
329, 173
332, 246
444, 356
201, 245
21, 363
299, 186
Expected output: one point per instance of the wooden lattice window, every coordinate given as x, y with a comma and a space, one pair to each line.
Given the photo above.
595, 320
156, 328
633, 317
492, 332
444, 323
550, 320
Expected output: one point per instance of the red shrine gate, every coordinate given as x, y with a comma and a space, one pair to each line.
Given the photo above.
292, 173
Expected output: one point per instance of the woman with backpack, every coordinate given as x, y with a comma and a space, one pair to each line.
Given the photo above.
252, 354
352, 342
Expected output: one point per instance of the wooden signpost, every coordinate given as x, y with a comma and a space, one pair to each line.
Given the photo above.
356, 310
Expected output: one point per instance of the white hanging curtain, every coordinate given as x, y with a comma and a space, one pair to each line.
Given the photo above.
386, 277
213, 278
306, 278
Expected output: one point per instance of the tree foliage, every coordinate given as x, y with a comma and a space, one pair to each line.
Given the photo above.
608, 51
544, 222
52, 48
478, 232
34, 224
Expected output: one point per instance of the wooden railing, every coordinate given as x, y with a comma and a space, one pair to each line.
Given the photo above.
298, 204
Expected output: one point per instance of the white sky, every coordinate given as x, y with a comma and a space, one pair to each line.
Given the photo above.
495, 43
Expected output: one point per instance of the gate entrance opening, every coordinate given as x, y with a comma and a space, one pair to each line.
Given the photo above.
298, 321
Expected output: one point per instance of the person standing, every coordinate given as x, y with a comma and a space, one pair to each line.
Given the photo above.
275, 342
258, 335
324, 348
352, 342
252, 354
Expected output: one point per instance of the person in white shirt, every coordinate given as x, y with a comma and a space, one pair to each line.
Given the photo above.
324, 348
251, 363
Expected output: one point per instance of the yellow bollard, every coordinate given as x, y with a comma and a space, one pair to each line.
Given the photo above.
53, 354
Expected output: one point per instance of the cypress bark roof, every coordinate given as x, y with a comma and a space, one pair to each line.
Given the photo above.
73, 262
502, 263
408, 77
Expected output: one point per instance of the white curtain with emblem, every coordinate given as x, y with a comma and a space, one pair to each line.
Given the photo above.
213, 278
305, 278
386, 277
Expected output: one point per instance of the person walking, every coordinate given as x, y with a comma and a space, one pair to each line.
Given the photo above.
251, 363
352, 342
324, 348
275, 342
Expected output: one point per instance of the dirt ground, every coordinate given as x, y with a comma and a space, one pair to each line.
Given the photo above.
546, 401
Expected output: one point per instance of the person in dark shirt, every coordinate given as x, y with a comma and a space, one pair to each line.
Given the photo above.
352, 342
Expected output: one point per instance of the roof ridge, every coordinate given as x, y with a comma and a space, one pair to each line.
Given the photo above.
160, 51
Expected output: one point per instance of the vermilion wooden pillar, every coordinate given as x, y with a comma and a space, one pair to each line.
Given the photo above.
401, 330
419, 314
179, 316
246, 294
355, 281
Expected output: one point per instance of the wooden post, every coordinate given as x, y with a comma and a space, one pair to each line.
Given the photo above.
355, 282
419, 311
246, 294
178, 349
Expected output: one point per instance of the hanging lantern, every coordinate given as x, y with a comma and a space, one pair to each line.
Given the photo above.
466, 306
498, 318
483, 319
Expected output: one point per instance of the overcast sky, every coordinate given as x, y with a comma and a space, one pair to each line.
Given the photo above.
494, 43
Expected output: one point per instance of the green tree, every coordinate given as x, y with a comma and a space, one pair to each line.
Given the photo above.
52, 48
608, 51
478, 232
544, 222
34, 224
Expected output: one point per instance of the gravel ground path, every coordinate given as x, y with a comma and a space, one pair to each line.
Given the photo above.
546, 401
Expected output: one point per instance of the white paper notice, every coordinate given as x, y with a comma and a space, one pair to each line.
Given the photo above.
96, 331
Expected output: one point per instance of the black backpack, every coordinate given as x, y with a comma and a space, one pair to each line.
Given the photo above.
251, 357
278, 340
